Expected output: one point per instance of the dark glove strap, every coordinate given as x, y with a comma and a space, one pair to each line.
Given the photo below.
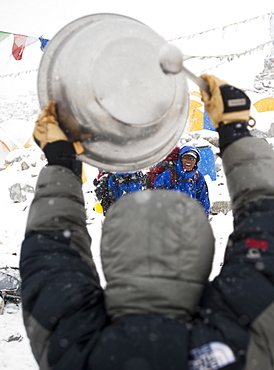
62, 153
234, 99
228, 133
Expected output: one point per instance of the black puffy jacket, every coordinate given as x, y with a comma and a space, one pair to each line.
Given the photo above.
161, 313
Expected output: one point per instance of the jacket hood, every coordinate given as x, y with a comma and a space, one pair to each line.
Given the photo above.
157, 248
187, 148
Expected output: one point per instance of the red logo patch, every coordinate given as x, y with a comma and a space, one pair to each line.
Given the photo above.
254, 243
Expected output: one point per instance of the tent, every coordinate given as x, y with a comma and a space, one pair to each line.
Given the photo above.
265, 105
6, 146
207, 162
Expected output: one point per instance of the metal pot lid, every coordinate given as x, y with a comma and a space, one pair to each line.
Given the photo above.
103, 72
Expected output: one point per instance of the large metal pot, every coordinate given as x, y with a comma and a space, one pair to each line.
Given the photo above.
103, 71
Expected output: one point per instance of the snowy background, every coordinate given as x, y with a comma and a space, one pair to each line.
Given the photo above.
20, 167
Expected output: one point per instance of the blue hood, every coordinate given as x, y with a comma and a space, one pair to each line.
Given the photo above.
187, 148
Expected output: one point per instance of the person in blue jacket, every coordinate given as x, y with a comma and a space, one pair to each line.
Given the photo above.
186, 177
125, 183
109, 186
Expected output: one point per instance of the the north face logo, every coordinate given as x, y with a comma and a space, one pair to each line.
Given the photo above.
254, 243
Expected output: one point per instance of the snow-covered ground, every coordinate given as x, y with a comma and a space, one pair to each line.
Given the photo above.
18, 113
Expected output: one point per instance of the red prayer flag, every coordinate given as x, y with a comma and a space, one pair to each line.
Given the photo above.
18, 46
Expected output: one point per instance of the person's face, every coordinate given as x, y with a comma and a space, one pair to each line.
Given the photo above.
188, 162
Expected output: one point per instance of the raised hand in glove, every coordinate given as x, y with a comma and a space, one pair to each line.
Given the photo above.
54, 142
225, 103
47, 128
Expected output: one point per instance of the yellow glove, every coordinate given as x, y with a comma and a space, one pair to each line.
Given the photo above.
47, 128
225, 103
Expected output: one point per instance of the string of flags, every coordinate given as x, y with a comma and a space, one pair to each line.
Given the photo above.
223, 28
20, 42
18, 73
229, 57
222, 58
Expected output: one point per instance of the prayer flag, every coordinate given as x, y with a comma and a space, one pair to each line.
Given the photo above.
3, 35
43, 43
18, 46
20, 43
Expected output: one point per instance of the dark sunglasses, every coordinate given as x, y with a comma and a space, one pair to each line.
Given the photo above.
190, 157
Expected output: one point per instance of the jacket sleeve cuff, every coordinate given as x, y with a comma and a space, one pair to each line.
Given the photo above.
228, 133
62, 153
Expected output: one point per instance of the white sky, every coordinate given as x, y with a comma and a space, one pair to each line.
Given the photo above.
171, 19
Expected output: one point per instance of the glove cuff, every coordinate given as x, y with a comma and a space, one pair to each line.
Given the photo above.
230, 132
62, 153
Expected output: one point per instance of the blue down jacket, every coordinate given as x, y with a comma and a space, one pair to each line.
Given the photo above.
125, 183
191, 183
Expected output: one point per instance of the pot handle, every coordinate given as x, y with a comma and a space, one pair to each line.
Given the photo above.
171, 61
